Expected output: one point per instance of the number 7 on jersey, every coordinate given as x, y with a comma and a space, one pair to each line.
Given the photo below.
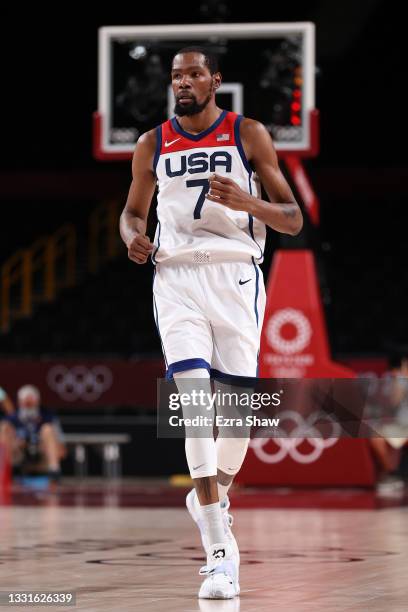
205, 185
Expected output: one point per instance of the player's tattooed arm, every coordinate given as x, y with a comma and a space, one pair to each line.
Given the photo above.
282, 213
134, 216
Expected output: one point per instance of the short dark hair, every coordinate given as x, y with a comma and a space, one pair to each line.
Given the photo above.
211, 60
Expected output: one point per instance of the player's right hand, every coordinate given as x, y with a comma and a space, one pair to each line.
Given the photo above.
139, 248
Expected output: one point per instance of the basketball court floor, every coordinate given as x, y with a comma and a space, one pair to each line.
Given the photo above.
118, 555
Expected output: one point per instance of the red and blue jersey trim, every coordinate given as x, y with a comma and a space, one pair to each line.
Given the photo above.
173, 138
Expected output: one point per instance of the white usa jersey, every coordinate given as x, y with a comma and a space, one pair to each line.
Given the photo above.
190, 227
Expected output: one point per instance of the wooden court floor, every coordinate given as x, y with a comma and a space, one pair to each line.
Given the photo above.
124, 559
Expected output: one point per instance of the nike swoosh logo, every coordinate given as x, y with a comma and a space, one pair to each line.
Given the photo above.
198, 466
243, 282
219, 554
167, 144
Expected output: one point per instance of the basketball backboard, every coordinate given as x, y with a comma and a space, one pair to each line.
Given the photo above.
268, 74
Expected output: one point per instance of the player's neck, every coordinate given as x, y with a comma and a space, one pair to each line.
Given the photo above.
195, 124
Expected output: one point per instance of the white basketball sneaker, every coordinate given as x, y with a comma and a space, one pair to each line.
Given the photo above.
221, 580
193, 506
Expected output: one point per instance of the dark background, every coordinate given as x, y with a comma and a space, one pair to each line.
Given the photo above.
49, 77
49, 174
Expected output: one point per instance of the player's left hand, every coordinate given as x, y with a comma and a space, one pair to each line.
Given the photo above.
225, 191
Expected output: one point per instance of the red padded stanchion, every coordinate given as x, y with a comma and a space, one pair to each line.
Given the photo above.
5, 476
294, 344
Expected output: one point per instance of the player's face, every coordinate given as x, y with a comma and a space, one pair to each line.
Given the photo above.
193, 84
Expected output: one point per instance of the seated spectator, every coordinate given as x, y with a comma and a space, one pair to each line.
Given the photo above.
390, 452
399, 396
32, 436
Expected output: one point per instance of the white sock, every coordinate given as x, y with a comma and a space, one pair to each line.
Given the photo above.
213, 523
196, 502
222, 492
230, 457
231, 444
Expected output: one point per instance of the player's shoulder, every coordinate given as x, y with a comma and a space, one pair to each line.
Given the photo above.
148, 139
255, 138
251, 128
145, 149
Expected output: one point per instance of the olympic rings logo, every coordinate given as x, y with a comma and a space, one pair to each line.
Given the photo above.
79, 382
288, 444
274, 328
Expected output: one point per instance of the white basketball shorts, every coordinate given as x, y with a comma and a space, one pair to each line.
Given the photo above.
210, 316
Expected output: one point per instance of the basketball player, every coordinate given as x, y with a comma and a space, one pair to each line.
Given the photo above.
208, 291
